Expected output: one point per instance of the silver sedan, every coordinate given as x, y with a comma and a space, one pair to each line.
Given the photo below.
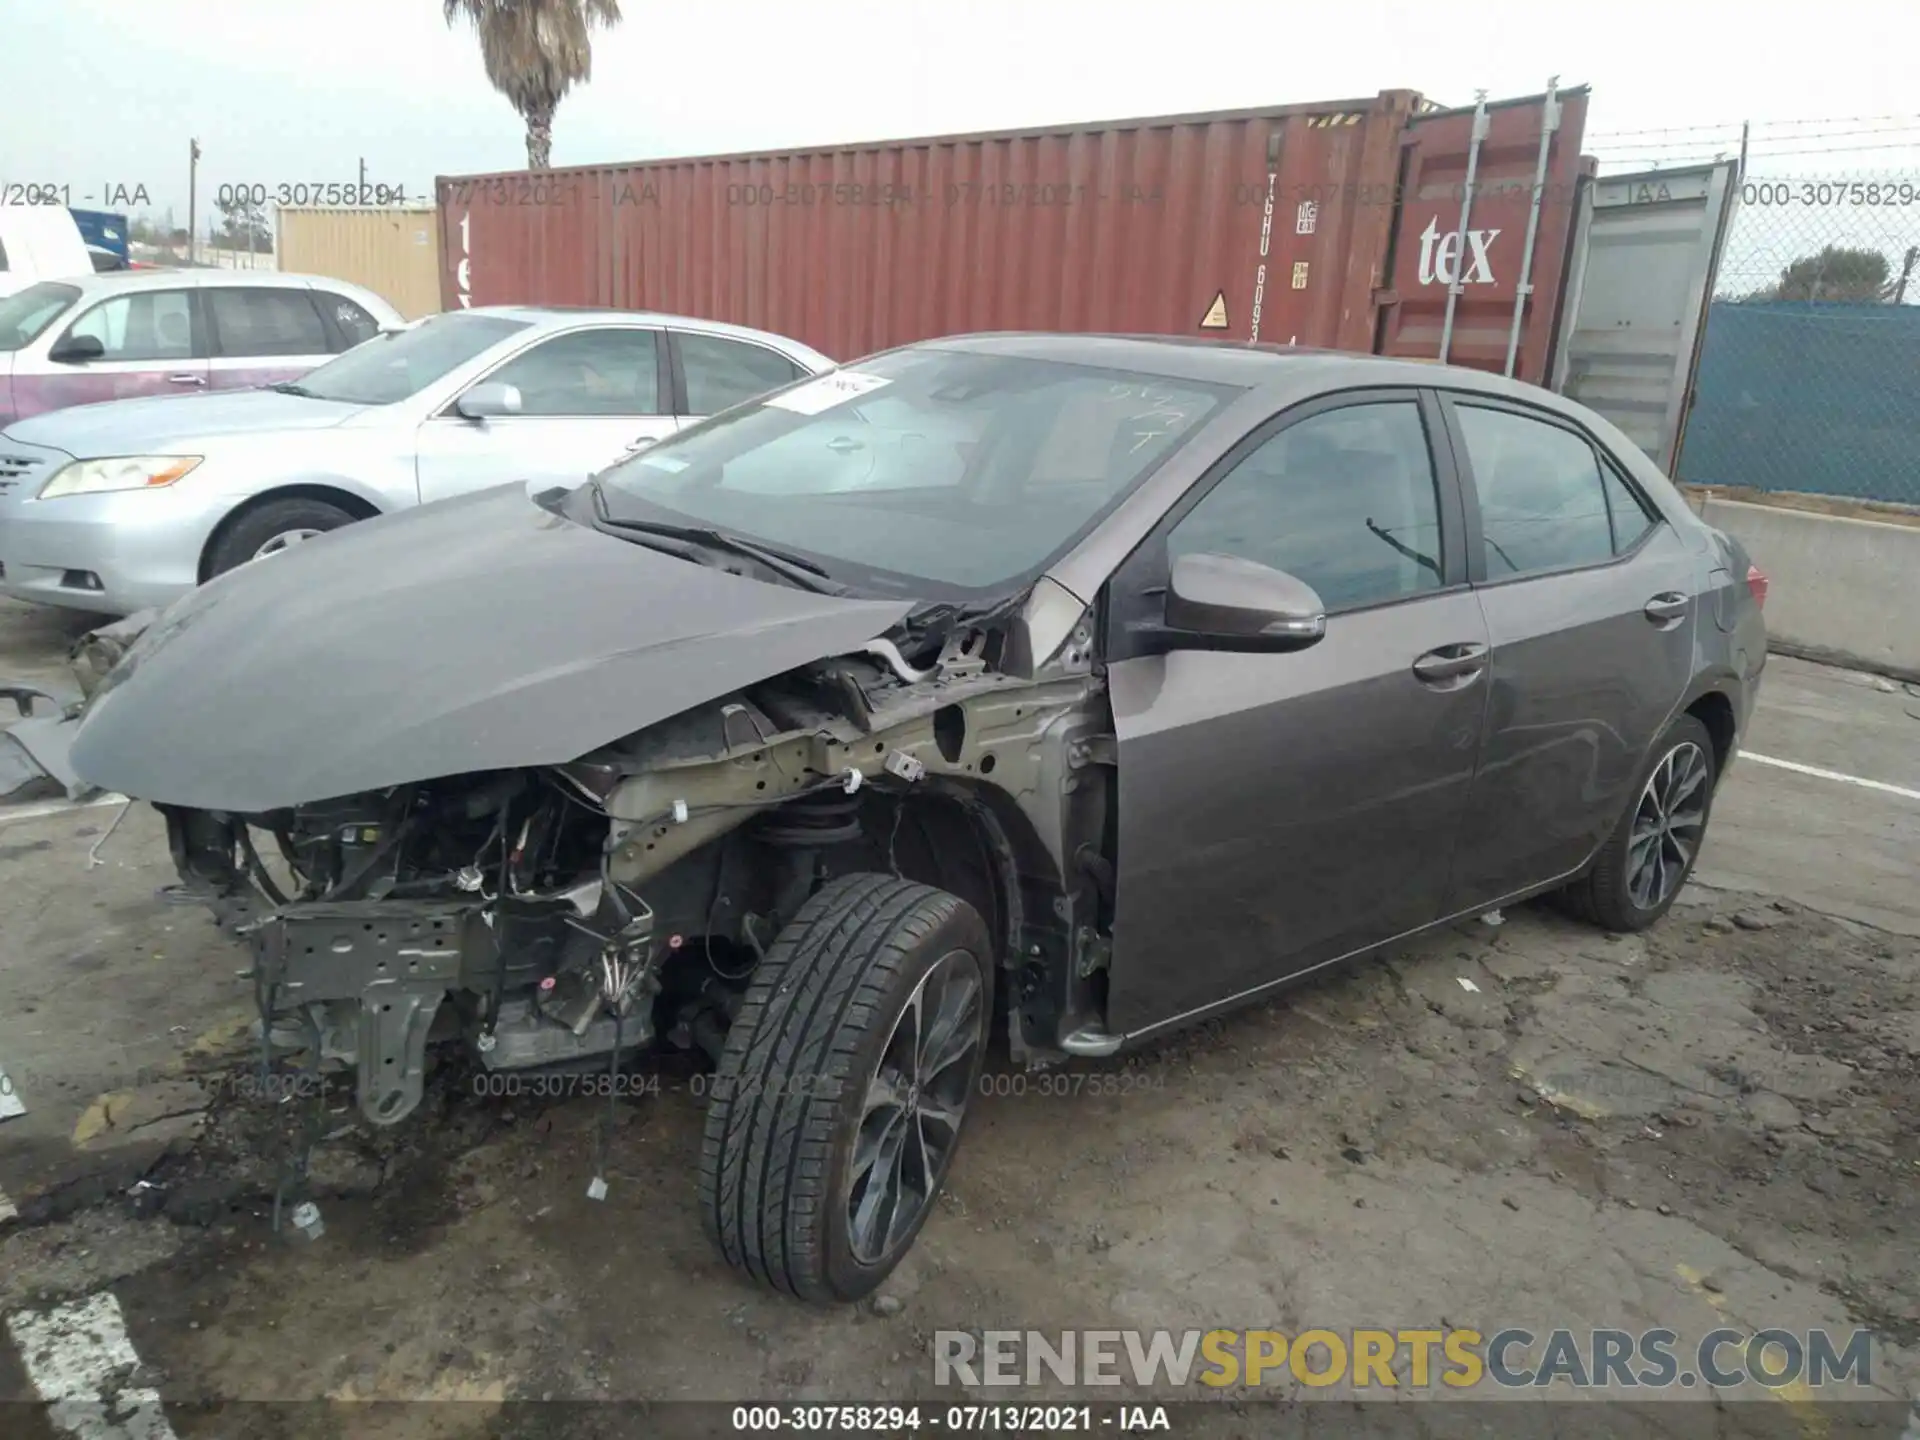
121, 506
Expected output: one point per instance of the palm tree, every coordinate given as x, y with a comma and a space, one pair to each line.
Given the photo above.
534, 51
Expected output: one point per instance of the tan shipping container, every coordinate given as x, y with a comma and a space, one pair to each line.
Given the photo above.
393, 252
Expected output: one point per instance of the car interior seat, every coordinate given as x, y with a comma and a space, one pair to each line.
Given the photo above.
175, 335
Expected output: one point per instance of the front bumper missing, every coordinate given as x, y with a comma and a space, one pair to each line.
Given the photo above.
394, 960
368, 979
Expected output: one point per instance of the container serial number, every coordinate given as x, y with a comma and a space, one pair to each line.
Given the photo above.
1823, 193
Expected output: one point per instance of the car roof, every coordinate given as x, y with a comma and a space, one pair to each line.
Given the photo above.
167, 278
1290, 369
560, 317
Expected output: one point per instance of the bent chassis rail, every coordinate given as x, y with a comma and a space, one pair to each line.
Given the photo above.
1020, 763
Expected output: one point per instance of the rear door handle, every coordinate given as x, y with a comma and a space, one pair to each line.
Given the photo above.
1667, 605
186, 379
1451, 662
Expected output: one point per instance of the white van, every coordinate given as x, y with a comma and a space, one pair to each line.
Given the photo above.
39, 242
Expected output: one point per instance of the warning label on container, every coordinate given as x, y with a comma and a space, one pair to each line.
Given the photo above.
1299, 274
1216, 316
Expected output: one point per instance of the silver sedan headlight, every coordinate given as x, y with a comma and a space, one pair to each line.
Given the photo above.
122, 472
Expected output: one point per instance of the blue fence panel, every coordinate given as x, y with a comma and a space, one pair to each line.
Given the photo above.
1816, 397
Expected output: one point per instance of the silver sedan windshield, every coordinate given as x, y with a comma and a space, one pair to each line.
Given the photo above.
391, 367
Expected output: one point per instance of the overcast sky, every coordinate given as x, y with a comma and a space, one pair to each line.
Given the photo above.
108, 92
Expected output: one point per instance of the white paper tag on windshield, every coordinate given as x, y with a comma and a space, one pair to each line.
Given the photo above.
836, 387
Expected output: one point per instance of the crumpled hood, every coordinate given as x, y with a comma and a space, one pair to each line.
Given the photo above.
475, 634
151, 423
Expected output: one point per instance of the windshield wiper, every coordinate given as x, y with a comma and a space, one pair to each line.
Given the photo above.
794, 569
287, 387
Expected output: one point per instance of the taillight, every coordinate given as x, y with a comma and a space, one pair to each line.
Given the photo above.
1757, 583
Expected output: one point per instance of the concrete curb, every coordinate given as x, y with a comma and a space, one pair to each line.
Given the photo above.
1843, 591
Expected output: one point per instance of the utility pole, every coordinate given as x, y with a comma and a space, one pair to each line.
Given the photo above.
360, 195
193, 180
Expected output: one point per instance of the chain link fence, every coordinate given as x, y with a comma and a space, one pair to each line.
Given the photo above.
1809, 377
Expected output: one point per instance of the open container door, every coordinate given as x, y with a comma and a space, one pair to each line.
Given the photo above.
1637, 308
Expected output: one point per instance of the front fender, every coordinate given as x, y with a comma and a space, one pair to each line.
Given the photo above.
34, 760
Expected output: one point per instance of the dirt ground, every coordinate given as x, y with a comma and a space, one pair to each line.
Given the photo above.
1525, 1124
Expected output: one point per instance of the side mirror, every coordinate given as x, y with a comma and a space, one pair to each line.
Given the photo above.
489, 399
73, 349
1221, 602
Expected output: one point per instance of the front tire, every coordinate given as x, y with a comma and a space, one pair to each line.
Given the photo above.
844, 1084
1646, 860
270, 528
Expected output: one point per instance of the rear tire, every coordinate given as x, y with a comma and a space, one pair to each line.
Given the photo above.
1665, 824
795, 1165
270, 527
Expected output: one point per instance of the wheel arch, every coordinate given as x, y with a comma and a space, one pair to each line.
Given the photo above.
988, 852
1020, 872
1714, 708
354, 503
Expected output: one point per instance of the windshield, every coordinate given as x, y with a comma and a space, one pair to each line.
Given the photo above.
391, 367
23, 316
922, 465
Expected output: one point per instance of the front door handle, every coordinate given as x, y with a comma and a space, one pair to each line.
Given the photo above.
186, 380
1462, 661
1667, 606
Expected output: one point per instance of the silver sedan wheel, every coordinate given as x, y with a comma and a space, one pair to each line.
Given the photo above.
284, 540
915, 1100
1667, 825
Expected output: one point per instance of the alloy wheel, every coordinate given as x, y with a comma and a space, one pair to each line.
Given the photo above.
1667, 826
915, 1100
284, 540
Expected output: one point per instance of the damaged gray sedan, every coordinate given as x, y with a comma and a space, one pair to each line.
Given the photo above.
1084, 685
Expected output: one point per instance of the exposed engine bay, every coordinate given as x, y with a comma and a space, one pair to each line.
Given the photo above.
567, 916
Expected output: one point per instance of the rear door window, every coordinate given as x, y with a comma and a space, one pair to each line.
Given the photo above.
1629, 513
249, 321
1543, 503
722, 373
146, 325
350, 320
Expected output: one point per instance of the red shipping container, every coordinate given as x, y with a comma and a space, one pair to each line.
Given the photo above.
1489, 260
1281, 225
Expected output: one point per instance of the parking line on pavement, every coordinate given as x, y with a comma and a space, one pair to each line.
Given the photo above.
44, 808
78, 1357
1819, 774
